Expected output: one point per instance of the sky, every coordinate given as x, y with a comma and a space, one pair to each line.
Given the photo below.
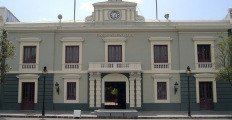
48, 10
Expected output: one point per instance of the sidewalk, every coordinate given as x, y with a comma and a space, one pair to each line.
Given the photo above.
141, 114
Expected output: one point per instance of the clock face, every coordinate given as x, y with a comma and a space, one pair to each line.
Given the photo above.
115, 14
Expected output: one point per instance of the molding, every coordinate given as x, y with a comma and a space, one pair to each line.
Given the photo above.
27, 76
71, 76
204, 38
114, 39
30, 39
72, 39
152, 39
161, 76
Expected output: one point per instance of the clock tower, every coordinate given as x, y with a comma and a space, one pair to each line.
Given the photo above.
114, 11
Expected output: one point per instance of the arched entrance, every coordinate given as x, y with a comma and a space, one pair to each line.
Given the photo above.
115, 91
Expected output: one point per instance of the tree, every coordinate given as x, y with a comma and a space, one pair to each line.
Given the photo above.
224, 63
6, 52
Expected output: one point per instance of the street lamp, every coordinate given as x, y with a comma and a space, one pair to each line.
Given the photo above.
188, 71
44, 74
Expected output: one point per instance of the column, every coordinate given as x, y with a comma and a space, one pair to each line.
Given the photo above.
138, 90
132, 90
98, 90
91, 91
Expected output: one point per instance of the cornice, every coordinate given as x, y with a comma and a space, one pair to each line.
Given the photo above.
198, 26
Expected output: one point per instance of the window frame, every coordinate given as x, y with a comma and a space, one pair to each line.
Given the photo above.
29, 42
71, 78
207, 40
71, 41
161, 41
114, 41
161, 78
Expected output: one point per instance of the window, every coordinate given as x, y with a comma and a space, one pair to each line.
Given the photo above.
72, 54
114, 49
29, 54
203, 53
160, 54
161, 90
71, 90
115, 53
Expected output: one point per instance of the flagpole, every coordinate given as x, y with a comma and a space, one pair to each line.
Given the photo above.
156, 9
74, 17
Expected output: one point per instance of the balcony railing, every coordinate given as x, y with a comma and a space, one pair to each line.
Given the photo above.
205, 65
28, 67
71, 66
114, 66
161, 66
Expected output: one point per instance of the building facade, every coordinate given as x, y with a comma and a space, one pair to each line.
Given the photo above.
115, 60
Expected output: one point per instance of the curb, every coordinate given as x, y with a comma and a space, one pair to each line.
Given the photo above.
139, 117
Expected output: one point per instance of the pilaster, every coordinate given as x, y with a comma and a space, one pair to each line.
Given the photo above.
132, 89
98, 90
138, 89
91, 91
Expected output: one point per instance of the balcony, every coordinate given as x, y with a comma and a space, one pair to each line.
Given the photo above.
205, 66
71, 66
161, 67
28, 67
114, 66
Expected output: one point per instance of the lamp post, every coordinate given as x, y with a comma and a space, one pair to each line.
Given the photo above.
188, 74
44, 74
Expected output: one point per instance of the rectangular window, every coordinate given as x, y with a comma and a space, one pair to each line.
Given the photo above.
29, 54
203, 53
160, 54
71, 90
115, 53
72, 54
161, 91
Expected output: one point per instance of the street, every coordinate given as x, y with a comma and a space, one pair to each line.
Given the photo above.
88, 119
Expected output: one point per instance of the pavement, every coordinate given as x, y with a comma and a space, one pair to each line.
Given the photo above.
141, 114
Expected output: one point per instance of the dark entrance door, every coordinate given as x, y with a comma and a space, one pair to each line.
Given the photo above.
115, 95
28, 91
206, 95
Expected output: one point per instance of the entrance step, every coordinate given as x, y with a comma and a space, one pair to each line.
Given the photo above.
117, 113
